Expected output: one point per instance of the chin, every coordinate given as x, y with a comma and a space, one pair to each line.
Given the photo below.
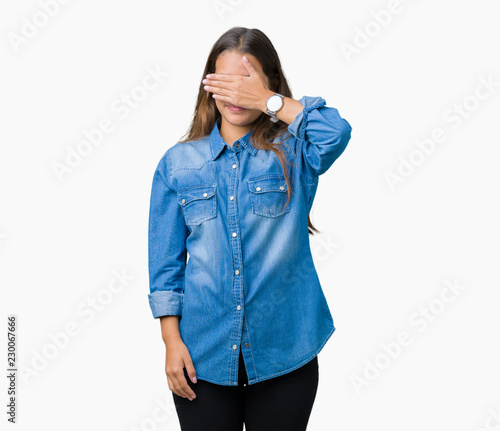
241, 120
239, 117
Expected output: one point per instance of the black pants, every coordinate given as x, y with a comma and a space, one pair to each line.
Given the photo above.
281, 403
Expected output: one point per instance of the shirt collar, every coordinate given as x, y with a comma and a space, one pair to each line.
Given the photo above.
217, 143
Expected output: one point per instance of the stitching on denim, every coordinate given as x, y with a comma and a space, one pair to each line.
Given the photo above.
251, 351
194, 168
260, 156
240, 254
212, 198
176, 296
197, 186
266, 177
233, 221
168, 164
254, 196
218, 382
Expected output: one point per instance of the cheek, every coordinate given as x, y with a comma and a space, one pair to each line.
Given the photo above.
219, 104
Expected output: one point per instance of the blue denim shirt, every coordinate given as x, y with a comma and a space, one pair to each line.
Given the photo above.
250, 280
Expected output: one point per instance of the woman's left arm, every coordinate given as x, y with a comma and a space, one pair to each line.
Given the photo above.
322, 133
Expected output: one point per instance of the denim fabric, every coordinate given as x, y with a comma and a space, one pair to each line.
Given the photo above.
229, 258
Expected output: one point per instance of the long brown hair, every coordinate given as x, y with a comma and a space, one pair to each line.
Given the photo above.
254, 42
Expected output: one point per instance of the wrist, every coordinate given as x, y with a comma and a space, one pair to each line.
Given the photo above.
170, 329
266, 96
172, 340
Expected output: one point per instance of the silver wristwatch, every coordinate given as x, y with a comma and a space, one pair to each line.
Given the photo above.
273, 105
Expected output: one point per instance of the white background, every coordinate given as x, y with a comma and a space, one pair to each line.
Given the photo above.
384, 254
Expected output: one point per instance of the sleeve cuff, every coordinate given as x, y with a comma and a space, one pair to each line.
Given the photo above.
298, 126
166, 303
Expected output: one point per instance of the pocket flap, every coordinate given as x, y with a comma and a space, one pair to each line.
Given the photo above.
268, 184
195, 193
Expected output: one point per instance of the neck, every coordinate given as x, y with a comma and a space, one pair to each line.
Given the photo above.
231, 133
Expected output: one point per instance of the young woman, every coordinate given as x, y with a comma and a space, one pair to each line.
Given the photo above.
244, 318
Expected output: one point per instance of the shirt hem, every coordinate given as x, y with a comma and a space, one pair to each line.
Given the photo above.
226, 383
261, 379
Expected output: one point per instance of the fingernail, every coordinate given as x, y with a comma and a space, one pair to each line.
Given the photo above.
194, 380
244, 58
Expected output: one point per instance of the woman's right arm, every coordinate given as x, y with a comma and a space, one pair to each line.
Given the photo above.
167, 261
177, 357
170, 329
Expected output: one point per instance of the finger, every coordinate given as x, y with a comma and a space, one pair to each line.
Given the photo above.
254, 72
174, 383
171, 385
219, 92
248, 65
179, 384
187, 389
184, 386
214, 86
188, 364
223, 77
172, 388
224, 99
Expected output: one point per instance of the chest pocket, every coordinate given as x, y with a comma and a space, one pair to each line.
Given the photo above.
199, 203
268, 195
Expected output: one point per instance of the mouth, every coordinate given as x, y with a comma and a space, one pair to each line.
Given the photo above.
235, 108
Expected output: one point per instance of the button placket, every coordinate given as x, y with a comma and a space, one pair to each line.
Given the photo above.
235, 244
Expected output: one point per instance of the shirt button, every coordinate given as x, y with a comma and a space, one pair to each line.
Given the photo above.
237, 272
183, 201
247, 345
234, 166
282, 188
236, 145
232, 198
235, 346
238, 307
234, 233
258, 189
205, 195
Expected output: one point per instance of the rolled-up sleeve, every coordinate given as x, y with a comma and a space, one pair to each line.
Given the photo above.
323, 135
167, 235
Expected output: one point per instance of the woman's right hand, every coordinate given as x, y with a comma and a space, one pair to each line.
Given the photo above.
178, 358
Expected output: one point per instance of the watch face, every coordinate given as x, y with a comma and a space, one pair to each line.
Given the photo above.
274, 103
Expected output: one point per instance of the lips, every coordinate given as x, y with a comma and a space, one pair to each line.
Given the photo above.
235, 108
